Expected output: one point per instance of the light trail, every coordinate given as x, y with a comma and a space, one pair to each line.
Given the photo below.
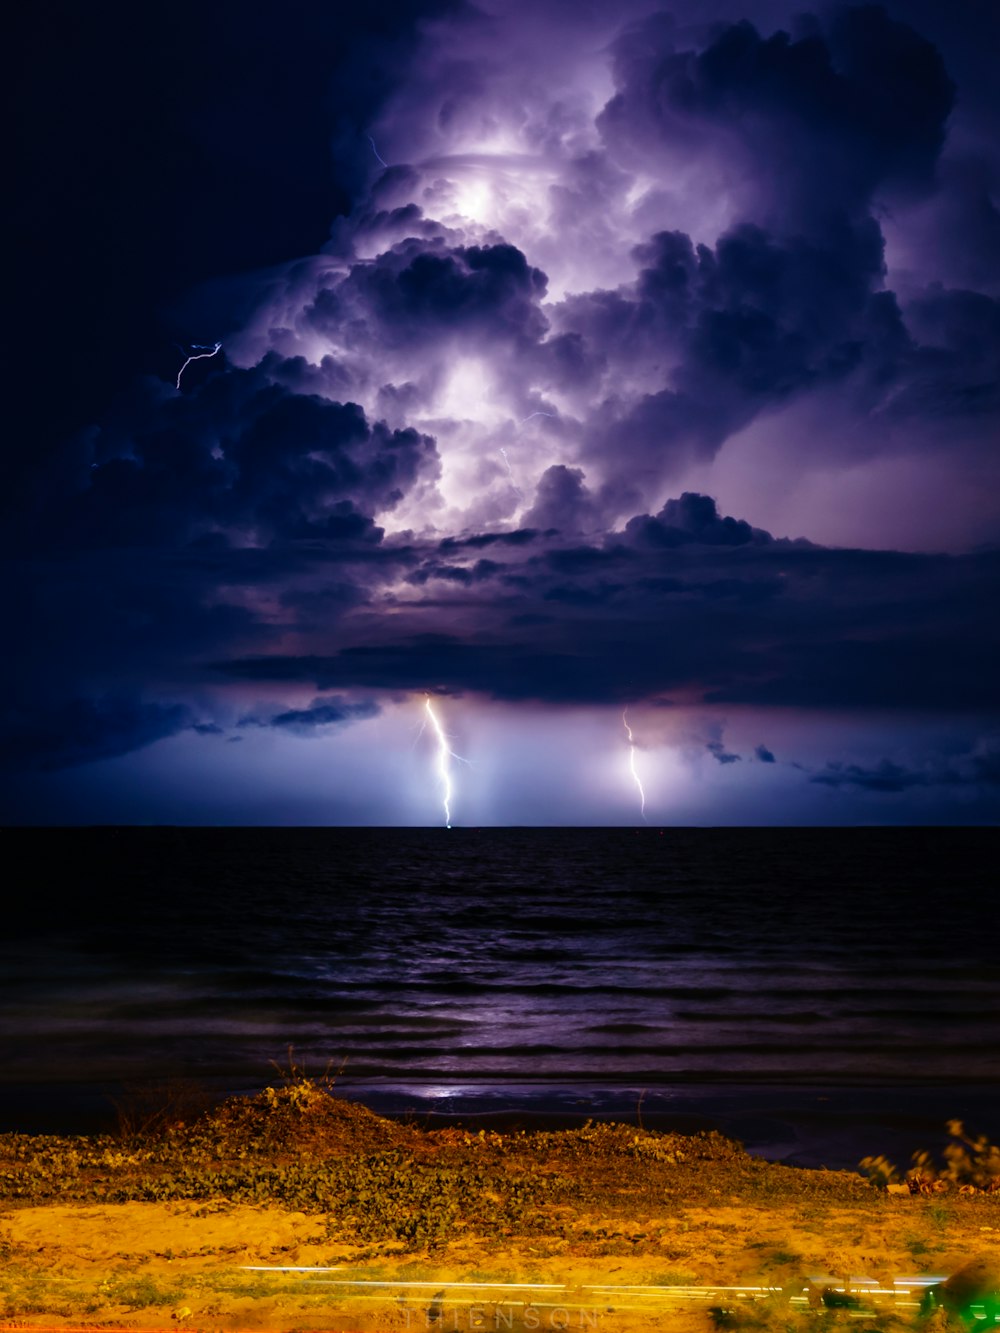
378, 156
631, 763
444, 755
856, 1294
203, 352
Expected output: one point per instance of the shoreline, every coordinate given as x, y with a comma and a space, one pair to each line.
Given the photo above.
804, 1126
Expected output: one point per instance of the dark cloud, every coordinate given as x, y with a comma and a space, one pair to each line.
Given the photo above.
980, 766
236, 151
81, 730
825, 116
755, 621
186, 524
463, 574
242, 459
884, 777
950, 371
719, 752
691, 519
321, 713
762, 319
746, 326
563, 502
812, 132
425, 289
519, 537
764, 755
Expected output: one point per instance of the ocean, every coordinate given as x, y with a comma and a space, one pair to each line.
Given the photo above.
819, 992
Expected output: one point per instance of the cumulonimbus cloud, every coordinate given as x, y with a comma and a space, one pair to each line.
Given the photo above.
448, 452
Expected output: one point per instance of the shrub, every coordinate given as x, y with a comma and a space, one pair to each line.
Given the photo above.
970, 1164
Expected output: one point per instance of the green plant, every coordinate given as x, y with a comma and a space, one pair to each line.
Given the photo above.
880, 1171
971, 1163
138, 1292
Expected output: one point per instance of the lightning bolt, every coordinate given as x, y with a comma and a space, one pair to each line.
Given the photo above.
203, 352
510, 472
443, 764
631, 763
378, 156
536, 414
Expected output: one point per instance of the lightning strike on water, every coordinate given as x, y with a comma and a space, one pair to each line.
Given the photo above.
203, 351
632, 768
444, 755
378, 156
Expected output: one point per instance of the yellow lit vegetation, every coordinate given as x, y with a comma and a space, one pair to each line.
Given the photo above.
169, 1215
970, 1164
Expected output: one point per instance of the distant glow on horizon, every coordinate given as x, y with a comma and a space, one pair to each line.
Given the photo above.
203, 353
631, 763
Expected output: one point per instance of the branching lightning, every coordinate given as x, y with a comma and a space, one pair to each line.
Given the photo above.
445, 754
378, 156
632, 768
200, 352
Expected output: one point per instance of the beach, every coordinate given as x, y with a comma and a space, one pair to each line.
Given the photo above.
522, 1057
298, 1210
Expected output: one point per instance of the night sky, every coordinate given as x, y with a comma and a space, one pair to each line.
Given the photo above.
588, 369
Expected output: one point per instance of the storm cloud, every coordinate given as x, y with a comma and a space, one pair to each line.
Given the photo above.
630, 285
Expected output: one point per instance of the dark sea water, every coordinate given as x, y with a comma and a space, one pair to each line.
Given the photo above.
788, 983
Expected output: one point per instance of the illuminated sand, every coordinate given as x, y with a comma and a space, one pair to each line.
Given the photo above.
603, 1210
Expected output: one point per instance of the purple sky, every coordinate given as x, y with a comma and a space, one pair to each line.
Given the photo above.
646, 380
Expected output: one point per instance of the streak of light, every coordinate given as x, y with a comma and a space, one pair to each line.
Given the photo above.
444, 756
631, 763
896, 1295
201, 352
510, 472
378, 157
372, 1282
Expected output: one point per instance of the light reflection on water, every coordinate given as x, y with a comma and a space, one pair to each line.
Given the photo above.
506, 954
